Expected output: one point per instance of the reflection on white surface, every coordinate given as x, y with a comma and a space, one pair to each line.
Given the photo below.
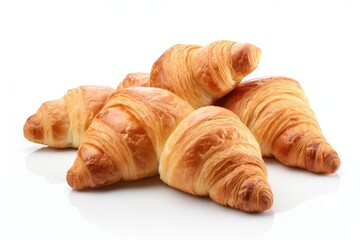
130, 207
149, 203
51, 163
123, 207
292, 187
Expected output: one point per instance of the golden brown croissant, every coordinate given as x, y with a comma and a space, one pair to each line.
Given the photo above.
212, 153
61, 123
138, 79
278, 113
126, 138
201, 75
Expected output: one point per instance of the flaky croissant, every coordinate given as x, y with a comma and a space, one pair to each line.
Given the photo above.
137, 79
200, 75
61, 123
212, 153
126, 138
278, 113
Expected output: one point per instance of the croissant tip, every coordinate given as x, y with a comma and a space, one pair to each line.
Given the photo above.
245, 58
265, 199
72, 179
76, 176
331, 162
255, 55
33, 129
258, 196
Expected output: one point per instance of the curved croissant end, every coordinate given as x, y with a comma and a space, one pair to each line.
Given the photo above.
61, 123
200, 75
278, 113
126, 138
138, 79
212, 153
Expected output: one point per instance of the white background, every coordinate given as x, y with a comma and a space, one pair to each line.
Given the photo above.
48, 47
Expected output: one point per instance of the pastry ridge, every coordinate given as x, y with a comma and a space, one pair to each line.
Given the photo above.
212, 153
279, 115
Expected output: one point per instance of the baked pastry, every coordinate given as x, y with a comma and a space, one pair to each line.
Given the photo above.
126, 138
137, 79
61, 123
201, 75
279, 115
212, 153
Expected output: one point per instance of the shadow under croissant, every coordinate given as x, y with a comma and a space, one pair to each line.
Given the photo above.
150, 204
51, 163
291, 187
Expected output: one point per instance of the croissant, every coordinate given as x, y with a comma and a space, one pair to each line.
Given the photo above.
138, 79
126, 138
212, 153
278, 113
61, 123
200, 75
